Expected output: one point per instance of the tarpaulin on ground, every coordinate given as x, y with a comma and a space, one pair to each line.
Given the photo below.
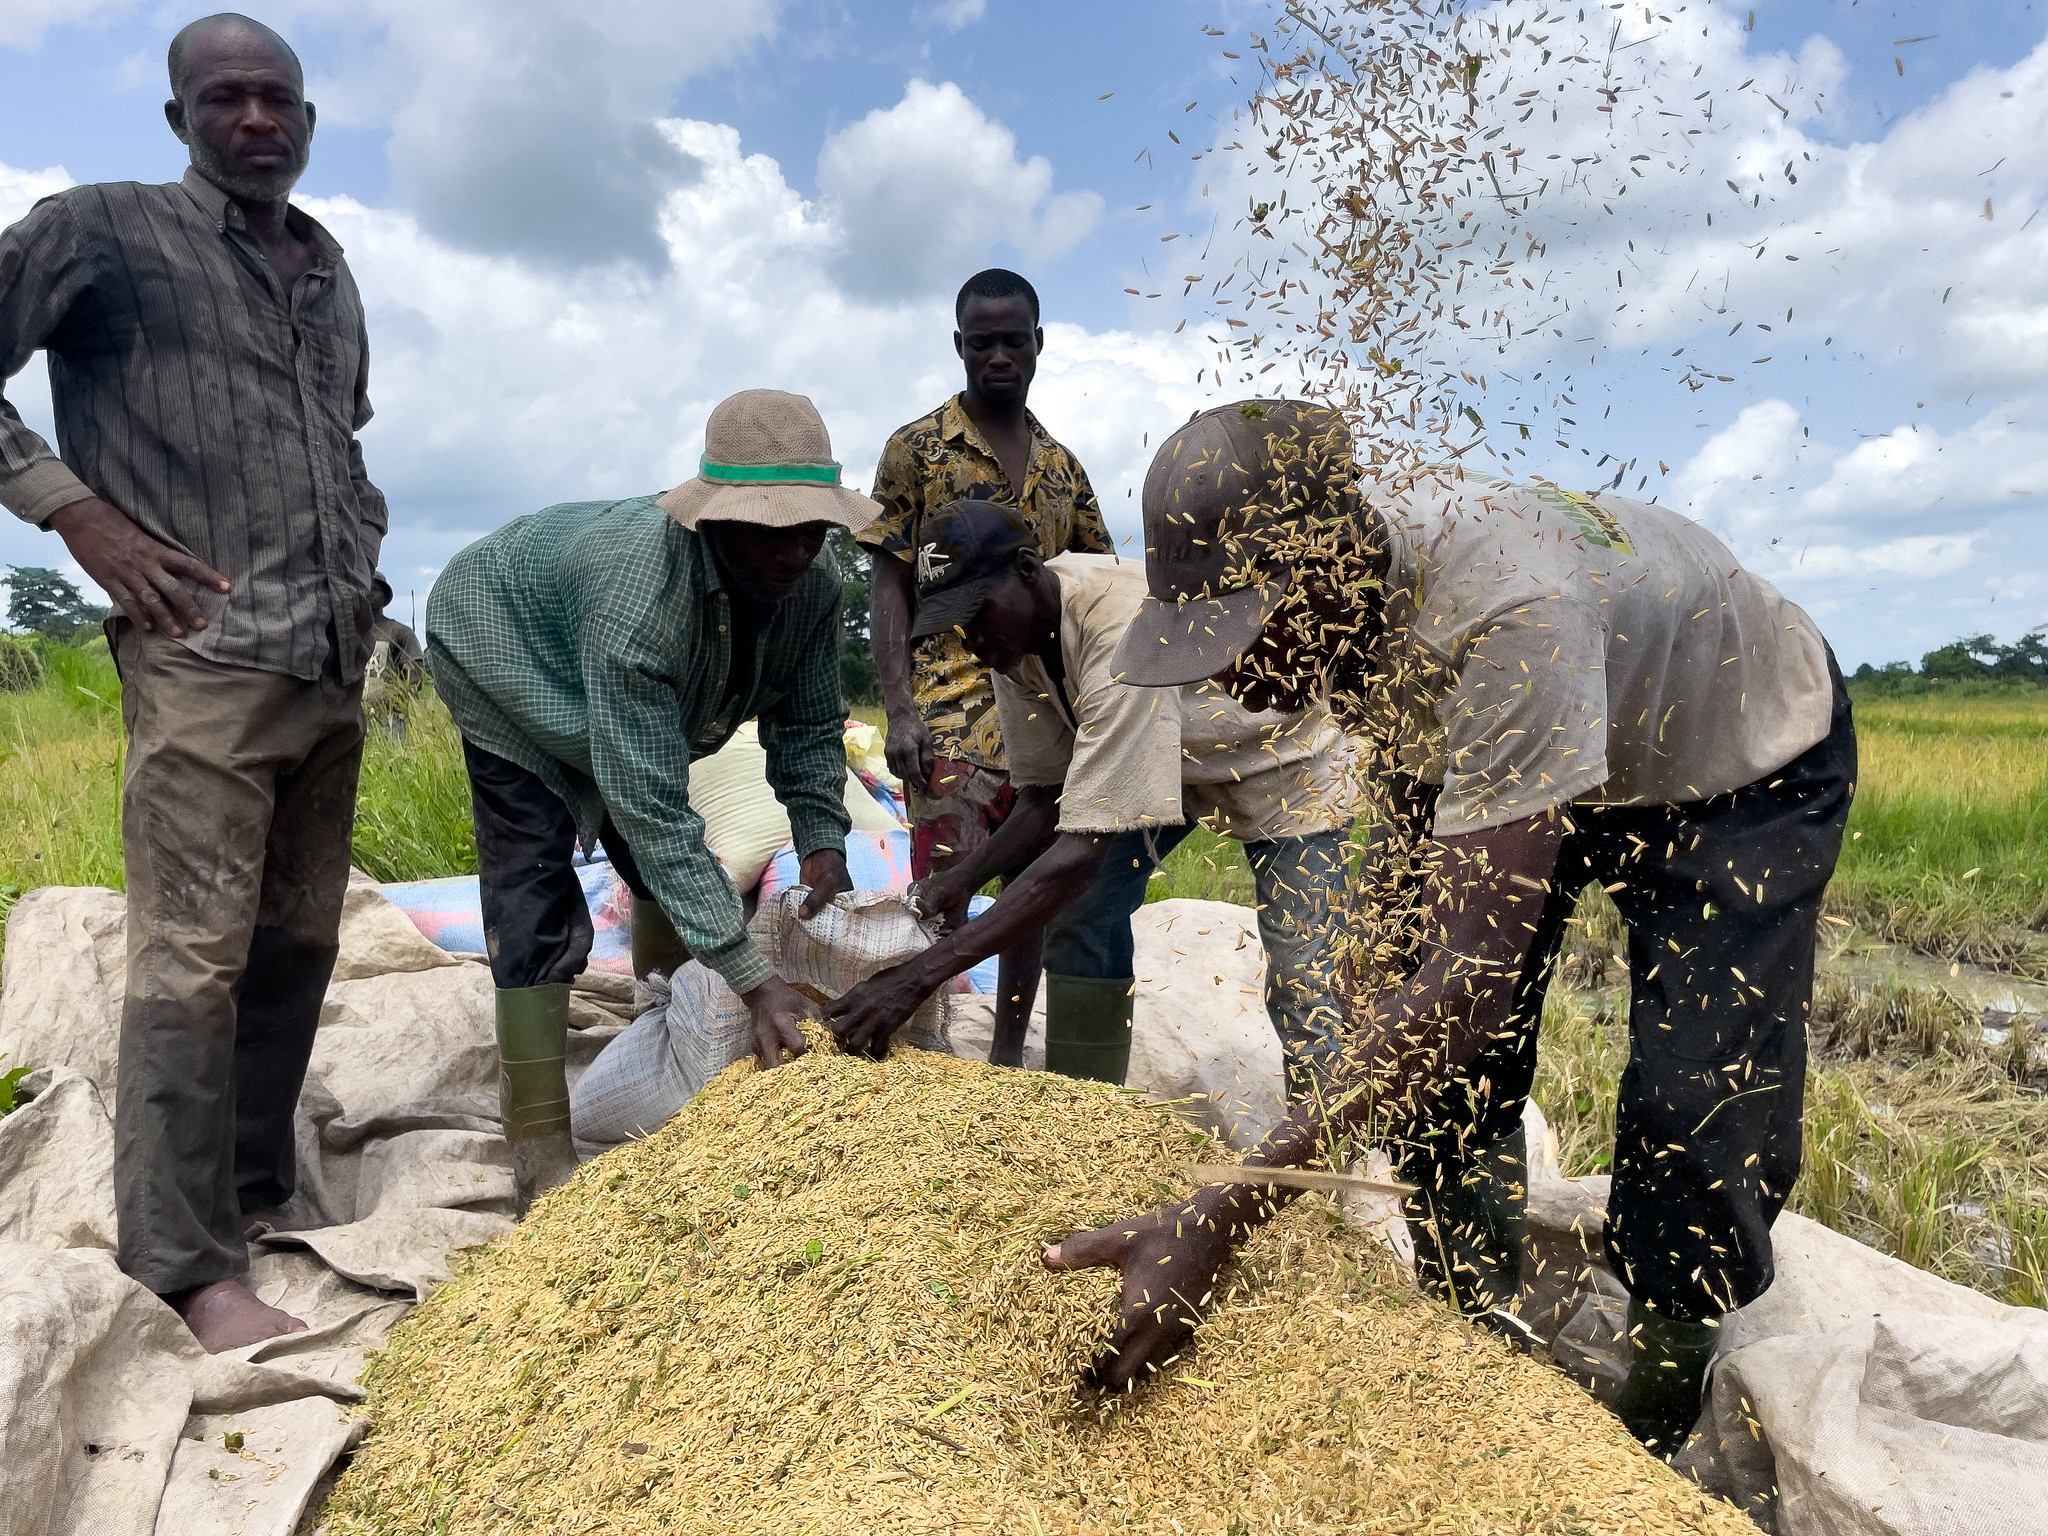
1857, 1398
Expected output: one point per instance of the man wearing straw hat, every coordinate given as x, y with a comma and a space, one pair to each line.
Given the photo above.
590, 653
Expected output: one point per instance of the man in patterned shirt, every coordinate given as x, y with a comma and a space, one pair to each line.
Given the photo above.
592, 652
945, 740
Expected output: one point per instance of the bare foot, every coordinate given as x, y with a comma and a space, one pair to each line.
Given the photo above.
227, 1315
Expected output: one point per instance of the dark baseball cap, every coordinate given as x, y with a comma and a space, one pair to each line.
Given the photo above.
962, 551
1219, 493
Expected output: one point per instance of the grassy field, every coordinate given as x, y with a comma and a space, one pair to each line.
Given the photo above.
1948, 847
60, 762
1922, 1139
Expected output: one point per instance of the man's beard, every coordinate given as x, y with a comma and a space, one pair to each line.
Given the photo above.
249, 186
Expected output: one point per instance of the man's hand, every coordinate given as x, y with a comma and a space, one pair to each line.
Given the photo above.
944, 896
910, 749
1169, 1263
825, 873
864, 1019
777, 1007
146, 578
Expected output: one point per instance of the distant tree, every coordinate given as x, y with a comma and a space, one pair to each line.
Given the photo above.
857, 672
44, 602
1982, 656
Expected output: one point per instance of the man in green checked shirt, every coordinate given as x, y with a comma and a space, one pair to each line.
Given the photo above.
590, 653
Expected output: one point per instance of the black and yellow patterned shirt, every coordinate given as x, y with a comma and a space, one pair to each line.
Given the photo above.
943, 458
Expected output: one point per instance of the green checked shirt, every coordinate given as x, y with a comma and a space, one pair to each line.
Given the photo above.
591, 643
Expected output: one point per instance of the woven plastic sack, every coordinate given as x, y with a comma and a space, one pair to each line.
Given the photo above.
697, 1026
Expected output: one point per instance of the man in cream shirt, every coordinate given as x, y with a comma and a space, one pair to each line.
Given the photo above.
1111, 779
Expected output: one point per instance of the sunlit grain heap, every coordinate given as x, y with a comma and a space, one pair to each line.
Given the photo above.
813, 1303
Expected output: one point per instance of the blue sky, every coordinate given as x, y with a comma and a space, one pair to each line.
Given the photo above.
575, 235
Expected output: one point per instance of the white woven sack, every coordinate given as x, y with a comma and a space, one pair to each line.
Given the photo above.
856, 936
698, 1026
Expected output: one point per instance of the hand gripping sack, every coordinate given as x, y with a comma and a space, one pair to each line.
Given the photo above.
697, 1026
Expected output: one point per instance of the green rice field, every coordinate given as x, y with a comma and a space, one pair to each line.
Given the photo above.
1923, 1139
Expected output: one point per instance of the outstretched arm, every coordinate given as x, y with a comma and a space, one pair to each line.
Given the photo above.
1487, 895
865, 1018
891, 604
1026, 833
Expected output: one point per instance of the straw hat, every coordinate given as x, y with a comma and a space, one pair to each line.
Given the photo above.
767, 460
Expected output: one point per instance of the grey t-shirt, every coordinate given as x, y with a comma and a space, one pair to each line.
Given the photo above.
1549, 648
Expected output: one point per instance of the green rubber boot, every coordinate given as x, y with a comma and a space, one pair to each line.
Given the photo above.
1660, 1400
656, 944
1088, 1026
1466, 1219
533, 1087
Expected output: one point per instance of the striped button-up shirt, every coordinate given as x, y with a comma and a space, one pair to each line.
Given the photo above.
212, 402
592, 644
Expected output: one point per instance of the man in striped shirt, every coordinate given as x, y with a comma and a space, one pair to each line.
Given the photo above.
208, 369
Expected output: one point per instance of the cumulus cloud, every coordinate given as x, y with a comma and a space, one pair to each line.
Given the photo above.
922, 188
527, 126
954, 15
23, 22
503, 384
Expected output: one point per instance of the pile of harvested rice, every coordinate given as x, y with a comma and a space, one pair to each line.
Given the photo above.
814, 1303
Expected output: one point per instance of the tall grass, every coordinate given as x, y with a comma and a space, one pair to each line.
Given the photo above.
412, 809
1948, 841
61, 751
1922, 1140
60, 778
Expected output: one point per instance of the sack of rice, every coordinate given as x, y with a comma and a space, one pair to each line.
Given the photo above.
813, 1302
697, 1026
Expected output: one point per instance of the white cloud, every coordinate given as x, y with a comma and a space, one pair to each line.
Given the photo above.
954, 15
1922, 557
23, 22
21, 190
500, 385
922, 188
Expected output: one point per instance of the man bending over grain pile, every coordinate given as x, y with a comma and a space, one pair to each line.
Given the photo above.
1110, 779
209, 368
1580, 690
592, 652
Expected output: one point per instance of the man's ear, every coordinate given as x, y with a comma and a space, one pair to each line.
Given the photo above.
312, 120
1037, 339
174, 114
959, 347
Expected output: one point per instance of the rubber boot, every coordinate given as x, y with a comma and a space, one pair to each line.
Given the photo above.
533, 1087
1088, 1026
1466, 1220
1660, 1400
656, 944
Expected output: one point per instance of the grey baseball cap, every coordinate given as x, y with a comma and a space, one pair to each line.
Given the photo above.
1219, 493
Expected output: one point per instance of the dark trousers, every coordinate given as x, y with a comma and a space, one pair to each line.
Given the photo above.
1722, 900
1298, 887
536, 922
238, 800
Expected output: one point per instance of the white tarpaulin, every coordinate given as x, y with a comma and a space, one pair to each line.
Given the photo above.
1858, 1397
112, 1420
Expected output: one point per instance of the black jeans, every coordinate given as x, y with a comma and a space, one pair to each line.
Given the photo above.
536, 922
1722, 900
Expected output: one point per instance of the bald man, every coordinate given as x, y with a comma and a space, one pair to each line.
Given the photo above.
208, 367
